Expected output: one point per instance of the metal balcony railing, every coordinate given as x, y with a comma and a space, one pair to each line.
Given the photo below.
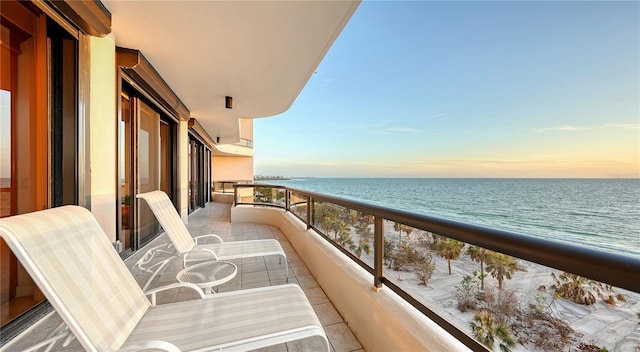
347, 225
244, 143
226, 187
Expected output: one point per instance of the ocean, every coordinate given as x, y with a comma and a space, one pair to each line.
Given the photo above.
600, 213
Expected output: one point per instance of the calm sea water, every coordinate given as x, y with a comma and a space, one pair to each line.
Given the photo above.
602, 213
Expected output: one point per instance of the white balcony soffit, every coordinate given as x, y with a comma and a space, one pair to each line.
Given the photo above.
261, 53
231, 150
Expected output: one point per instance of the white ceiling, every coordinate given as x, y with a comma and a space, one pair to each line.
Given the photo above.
261, 53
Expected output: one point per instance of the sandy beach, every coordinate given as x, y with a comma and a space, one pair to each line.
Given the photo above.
614, 327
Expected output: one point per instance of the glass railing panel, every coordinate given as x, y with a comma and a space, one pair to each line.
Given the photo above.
262, 195
298, 204
350, 229
416, 262
244, 143
404, 252
503, 302
363, 237
279, 196
223, 187
268, 195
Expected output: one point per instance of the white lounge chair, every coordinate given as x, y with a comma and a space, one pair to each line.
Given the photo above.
188, 246
71, 260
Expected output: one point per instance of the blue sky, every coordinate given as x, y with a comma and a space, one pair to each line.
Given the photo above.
468, 89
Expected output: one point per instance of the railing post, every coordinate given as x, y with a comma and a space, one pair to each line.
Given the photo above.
378, 250
287, 200
235, 195
309, 212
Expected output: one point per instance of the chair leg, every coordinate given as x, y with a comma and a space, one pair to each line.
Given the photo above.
286, 268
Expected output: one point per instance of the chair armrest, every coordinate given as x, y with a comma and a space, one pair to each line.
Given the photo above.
154, 291
196, 250
152, 344
159, 266
210, 235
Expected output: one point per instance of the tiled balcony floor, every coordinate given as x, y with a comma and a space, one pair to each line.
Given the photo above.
252, 272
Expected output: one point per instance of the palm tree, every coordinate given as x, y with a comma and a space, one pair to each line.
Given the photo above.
365, 235
479, 254
351, 217
344, 239
362, 246
400, 228
502, 266
321, 216
339, 228
450, 249
577, 288
486, 330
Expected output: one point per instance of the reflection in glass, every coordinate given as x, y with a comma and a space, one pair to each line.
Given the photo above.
23, 158
125, 172
5, 153
148, 167
298, 205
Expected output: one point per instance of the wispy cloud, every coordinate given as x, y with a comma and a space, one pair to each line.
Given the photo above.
566, 128
440, 116
626, 126
366, 125
394, 130
570, 128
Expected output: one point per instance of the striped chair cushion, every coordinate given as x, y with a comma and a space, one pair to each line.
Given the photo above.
230, 318
169, 219
241, 249
70, 258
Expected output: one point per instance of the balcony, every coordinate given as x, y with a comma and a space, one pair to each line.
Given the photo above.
366, 300
252, 272
562, 296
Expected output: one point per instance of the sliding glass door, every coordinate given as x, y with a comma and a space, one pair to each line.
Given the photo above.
146, 156
148, 167
198, 174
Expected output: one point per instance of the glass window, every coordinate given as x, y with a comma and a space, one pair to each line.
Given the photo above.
125, 171
38, 119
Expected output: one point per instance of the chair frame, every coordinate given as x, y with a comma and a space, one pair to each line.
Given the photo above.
187, 245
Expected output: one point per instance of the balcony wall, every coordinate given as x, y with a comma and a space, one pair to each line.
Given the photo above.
380, 319
103, 134
229, 168
246, 129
